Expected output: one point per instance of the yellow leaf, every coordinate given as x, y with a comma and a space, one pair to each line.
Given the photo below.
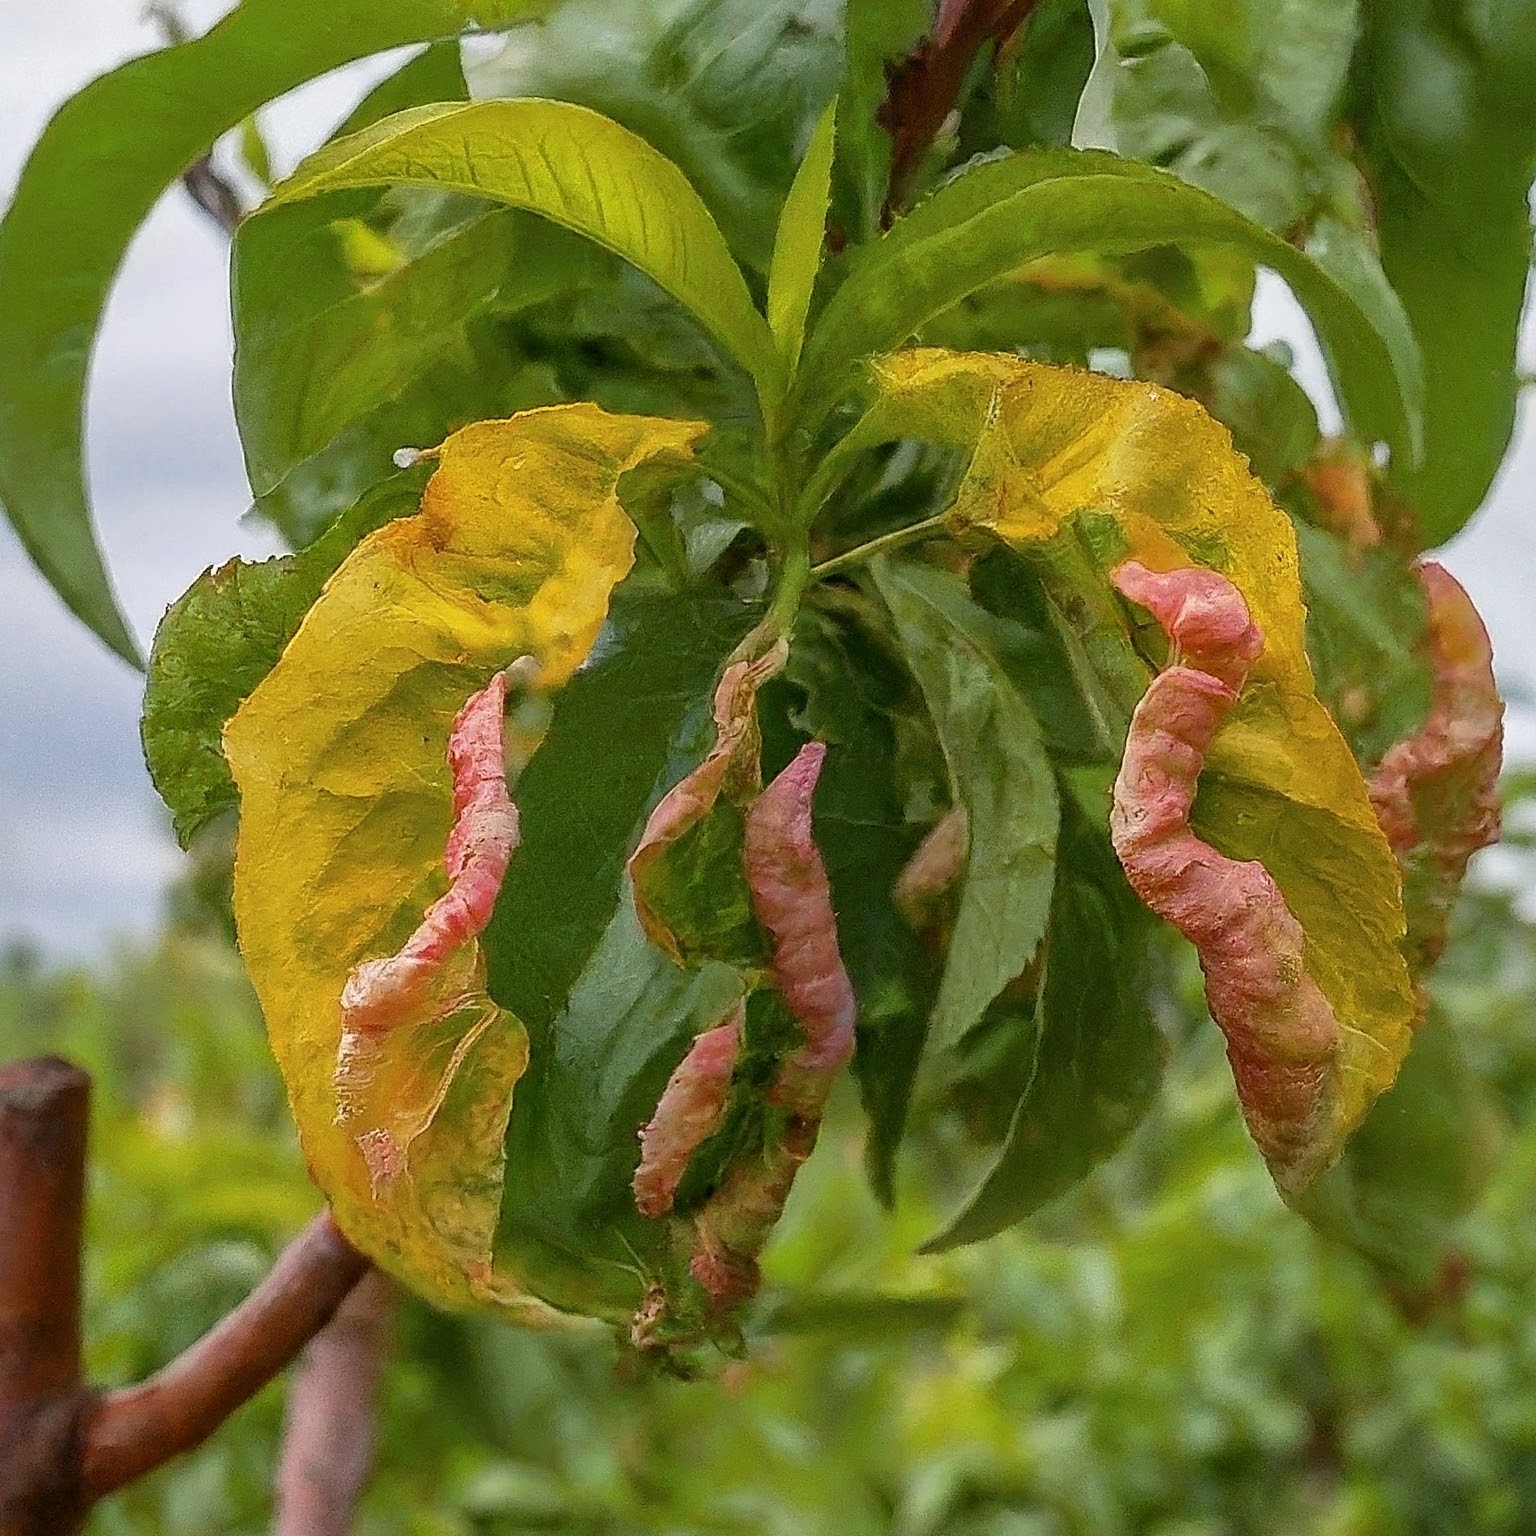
1280, 785
346, 802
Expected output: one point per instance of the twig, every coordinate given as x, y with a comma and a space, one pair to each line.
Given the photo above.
924, 89
215, 195
328, 1435
897, 538
138, 1428
44, 1107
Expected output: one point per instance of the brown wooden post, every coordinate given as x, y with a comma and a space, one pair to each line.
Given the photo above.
63, 1445
44, 1108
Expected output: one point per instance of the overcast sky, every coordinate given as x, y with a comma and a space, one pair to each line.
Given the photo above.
84, 850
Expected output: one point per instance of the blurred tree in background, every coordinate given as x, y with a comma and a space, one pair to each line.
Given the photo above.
1165, 1351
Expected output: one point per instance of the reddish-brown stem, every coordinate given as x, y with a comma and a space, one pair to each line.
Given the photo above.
328, 1436
44, 1107
132, 1431
924, 89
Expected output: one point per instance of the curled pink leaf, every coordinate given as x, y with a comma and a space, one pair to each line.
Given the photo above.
382, 993
1436, 793
690, 1109
731, 767
411, 1020
1282, 1037
793, 902
733, 1227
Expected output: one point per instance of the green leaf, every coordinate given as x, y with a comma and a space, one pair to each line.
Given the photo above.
797, 247
583, 804
434, 74
1082, 719
216, 643
1000, 775
1366, 640
878, 35
862, 702
580, 170
1031, 96
569, 1229
342, 304
993, 219
1416, 1165
728, 90
1094, 1055
1238, 99
1447, 122
91, 179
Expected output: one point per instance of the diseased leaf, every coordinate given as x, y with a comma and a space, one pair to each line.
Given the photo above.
1283, 1041
798, 244
216, 643
1095, 1056
993, 219
92, 178
1000, 775
580, 170
1436, 792
339, 757
792, 901
1153, 478
691, 892
421, 1041
690, 1110
1446, 118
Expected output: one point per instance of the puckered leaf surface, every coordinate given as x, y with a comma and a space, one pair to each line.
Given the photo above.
1156, 480
339, 756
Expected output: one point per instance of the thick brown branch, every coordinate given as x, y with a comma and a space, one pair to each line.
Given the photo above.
924, 90
137, 1429
44, 1106
328, 1436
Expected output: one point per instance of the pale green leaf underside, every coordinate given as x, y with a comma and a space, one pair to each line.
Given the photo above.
578, 169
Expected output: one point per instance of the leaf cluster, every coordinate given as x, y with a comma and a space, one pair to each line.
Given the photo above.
685, 213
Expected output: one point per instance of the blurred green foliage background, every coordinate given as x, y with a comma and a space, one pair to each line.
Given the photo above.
1167, 1351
